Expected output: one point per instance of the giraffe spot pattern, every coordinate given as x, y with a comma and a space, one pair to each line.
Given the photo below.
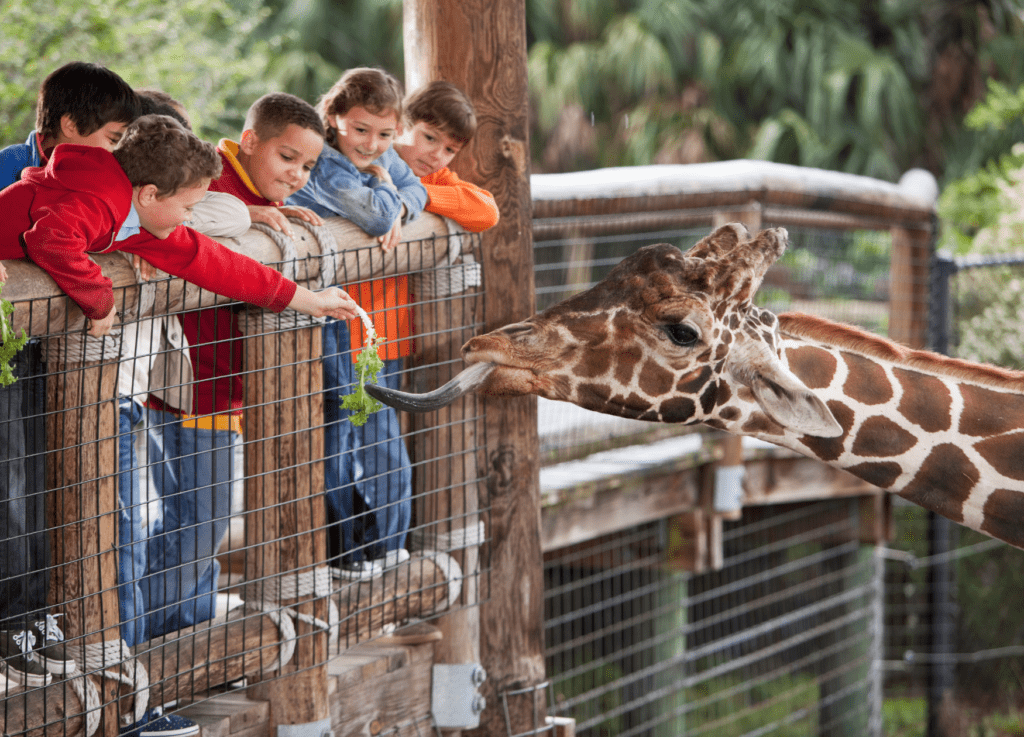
678, 409
729, 413
627, 360
813, 366
977, 418
867, 382
692, 382
1005, 453
724, 395
1004, 513
926, 401
761, 423
654, 379
880, 437
943, 482
829, 449
883, 474
599, 361
707, 399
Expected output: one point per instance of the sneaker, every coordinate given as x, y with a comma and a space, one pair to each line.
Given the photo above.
364, 570
21, 666
52, 651
155, 723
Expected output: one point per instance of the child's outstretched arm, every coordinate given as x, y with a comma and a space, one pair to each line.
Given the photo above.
331, 302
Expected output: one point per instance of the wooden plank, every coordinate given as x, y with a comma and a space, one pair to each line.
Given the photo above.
908, 300
780, 480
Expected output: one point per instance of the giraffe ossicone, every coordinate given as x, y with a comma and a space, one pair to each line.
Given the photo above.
675, 337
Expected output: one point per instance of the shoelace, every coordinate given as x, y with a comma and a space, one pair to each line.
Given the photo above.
50, 628
25, 640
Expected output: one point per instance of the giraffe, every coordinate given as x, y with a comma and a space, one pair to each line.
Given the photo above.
674, 337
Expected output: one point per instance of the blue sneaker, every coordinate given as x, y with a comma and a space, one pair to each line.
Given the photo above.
155, 723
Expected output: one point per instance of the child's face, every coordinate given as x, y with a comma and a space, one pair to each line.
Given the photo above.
161, 215
279, 166
105, 137
426, 149
363, 136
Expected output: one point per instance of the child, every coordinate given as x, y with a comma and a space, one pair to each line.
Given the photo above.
191, 440
158, 172
439, 121
78, 103
361, 178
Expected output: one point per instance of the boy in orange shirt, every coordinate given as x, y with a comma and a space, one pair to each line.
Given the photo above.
439, 121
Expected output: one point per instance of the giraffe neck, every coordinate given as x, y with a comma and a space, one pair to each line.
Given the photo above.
945, 434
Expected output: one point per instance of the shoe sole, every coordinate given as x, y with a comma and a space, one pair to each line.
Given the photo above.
59, 667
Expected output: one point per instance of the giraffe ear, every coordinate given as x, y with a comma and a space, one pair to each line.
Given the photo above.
780, 393
787, 401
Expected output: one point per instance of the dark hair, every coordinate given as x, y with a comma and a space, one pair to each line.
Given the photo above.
90, 94
272, 113
445, 107
158, 102
158, 150
366, 87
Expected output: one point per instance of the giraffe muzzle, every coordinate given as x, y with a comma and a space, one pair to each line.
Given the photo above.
467, 381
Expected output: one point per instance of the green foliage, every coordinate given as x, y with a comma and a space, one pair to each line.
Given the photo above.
190, 49
904, 717
786, 706
368, 365
10, 343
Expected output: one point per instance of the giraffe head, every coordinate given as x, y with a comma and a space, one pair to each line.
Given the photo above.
665, 337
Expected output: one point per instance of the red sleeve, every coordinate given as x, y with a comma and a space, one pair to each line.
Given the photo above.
467, 204
208, 264
58, 243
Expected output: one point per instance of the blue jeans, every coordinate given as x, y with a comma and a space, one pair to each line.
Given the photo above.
192, 472
24, 537
366, 469
131, 530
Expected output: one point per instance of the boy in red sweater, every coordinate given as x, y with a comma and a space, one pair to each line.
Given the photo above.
439, 121
193, 448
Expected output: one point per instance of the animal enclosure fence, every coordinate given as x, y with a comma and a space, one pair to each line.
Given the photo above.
251, 502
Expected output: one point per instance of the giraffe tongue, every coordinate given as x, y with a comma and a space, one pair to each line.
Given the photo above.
467, 381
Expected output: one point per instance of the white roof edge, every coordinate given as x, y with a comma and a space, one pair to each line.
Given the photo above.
917, 188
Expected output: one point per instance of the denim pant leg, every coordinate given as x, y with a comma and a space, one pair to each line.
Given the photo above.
131, 531
24, 537
193, 474
339, 471
386, 486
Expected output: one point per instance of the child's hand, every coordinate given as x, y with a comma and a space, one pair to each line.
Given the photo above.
380, 172
273, 217
393, 237
331, 302
3, 272
103, 326
146, 270
302, 213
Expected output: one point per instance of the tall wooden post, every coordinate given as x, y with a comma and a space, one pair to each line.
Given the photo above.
285, 523
81, 444
480, 45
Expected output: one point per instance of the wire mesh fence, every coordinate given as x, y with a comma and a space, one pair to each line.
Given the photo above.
782, 640
187, 508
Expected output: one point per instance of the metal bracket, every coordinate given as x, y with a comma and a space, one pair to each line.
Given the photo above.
309, 729
729, 488
455, 699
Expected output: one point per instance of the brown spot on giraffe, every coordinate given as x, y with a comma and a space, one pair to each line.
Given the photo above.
1004, 516
943, 482
883, 474
729, 414
829, 449
880, 437
655, 380
760, 423
978, 417
1003, 453
814, 366
866, 382
692, 382
599, 361
926, 401
627, 360
724, 395
678, 409
707, 399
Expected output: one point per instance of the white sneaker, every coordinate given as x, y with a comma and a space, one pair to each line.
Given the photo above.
364, 570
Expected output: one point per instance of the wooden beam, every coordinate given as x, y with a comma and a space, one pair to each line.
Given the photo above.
480, 45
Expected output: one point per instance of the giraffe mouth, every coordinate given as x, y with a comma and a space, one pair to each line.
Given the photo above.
468, 380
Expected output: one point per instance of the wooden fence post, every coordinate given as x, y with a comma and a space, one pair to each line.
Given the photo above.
81, 463
480, 46
285, 536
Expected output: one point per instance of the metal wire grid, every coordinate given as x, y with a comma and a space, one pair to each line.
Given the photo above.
784, 640
360, 610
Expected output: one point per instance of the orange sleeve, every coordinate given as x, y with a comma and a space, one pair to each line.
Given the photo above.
467, 204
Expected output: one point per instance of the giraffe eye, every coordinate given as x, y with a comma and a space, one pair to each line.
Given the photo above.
682, 334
